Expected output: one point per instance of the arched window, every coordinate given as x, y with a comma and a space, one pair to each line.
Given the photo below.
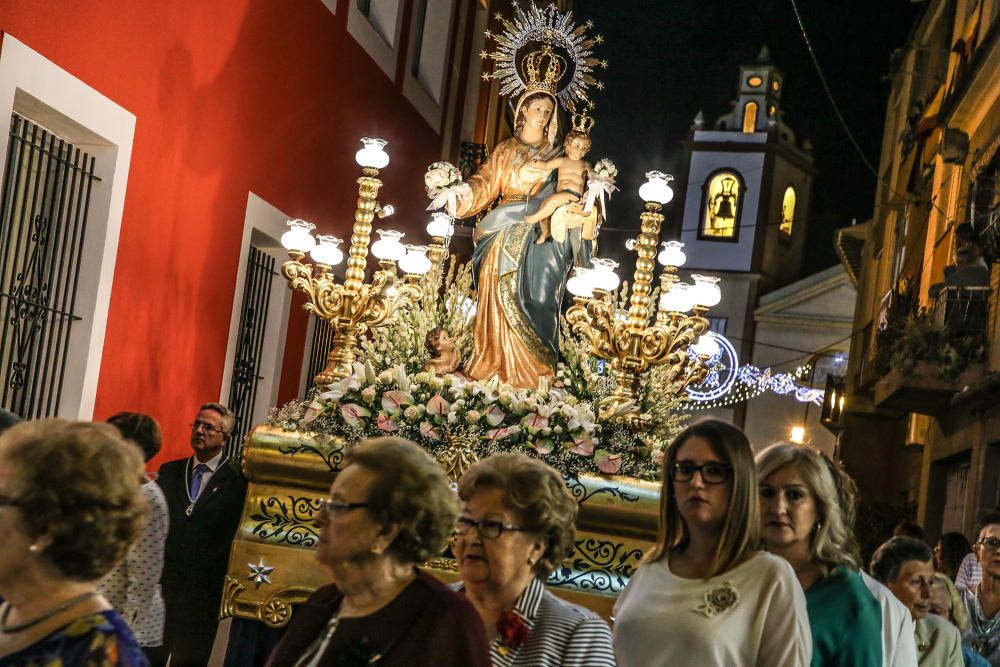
750, 117
787, 211
723, 196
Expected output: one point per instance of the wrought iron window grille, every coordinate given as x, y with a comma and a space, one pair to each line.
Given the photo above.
47, 185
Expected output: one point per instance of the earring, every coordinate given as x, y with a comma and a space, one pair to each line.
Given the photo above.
532, 561
34, 548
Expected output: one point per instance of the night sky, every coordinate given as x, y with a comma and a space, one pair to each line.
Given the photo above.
668, 60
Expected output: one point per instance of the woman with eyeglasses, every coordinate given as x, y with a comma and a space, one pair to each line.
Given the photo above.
802, 521
946, 602
390, 508
983, 602
515, 529
706, 594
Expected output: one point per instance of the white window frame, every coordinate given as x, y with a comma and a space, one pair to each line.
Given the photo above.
44, 93
365, 34
419, 97
263, 226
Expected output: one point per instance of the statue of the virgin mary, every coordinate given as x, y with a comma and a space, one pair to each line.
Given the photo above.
520, 283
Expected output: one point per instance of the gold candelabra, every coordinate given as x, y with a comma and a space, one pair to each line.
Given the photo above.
633, 344
353, 306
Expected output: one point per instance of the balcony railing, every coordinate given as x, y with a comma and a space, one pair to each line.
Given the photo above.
934, 354
962, 311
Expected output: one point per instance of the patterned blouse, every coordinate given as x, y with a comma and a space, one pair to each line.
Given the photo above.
96, 640
133, 588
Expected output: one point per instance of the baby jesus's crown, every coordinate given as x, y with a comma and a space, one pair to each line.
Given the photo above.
582, 122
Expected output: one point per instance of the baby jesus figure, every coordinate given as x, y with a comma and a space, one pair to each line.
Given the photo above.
570, 184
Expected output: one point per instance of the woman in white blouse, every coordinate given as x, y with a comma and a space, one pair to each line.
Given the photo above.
706, 594
133, 587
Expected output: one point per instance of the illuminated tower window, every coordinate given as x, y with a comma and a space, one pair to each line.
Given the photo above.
787, 211
722, 200
750, 117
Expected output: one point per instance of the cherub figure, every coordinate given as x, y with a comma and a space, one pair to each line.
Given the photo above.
445, 357
570, 184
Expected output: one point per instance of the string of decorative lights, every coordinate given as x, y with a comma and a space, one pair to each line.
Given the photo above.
728, 383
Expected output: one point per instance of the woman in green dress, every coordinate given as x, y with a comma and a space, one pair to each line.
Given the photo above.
802, 521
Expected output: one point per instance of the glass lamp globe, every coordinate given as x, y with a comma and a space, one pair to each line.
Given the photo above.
415, 260
388, 245
372, 154
441, 225
707, 345
299, 237
706, 290
672, 254
656, 188
580, 283
603, 274
327, 251
677, 299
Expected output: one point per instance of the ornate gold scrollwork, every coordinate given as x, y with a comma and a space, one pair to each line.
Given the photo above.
458, 457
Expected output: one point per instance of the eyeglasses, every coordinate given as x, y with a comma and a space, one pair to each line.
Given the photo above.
335, 507
990, 543
488, 528
207, 428
712, 472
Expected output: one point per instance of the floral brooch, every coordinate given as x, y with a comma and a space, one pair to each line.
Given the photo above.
718, 599
513, 632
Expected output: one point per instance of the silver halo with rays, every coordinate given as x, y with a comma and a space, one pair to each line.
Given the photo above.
550, 26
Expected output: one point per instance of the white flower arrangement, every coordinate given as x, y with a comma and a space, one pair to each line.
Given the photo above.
600, 185
443, 182
606, 168
428, 408
441, 175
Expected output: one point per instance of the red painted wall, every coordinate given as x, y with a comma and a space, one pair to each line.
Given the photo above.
231, 96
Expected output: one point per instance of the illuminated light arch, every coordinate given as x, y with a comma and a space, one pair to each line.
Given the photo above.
723, 370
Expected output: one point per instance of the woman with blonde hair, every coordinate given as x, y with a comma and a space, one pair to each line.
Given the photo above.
946, 602
802, 521
706, 595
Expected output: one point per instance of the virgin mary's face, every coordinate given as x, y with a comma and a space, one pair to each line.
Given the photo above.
538, 112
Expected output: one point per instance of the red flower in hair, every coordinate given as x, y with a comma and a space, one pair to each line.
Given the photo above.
513, 631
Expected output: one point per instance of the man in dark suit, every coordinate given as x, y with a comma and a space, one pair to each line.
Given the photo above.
205, 494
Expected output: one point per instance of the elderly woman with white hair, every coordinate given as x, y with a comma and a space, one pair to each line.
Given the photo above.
801, 521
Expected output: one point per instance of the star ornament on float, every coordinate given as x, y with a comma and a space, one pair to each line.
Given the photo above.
260, 573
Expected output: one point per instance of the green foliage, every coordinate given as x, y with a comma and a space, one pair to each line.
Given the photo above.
401, 340
910, 335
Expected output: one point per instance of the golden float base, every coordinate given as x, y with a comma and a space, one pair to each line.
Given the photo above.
271, 564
